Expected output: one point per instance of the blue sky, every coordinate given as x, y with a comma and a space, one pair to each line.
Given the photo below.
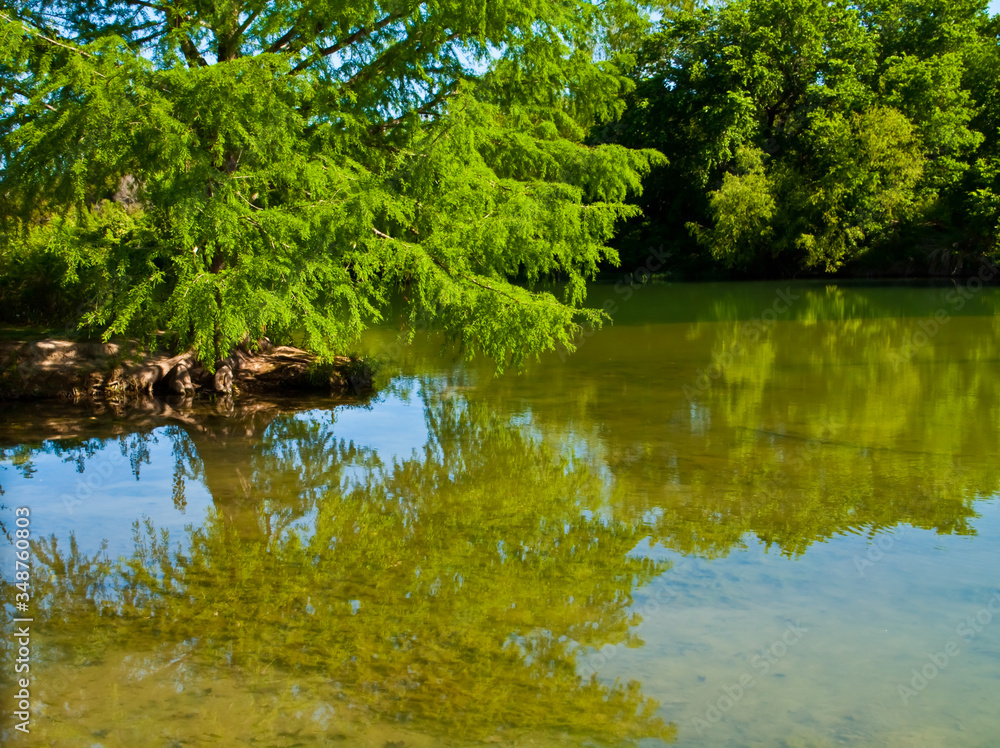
995, 6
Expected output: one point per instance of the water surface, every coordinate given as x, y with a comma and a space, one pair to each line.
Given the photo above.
742, 515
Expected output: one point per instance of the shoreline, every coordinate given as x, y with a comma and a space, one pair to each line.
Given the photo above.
87, 371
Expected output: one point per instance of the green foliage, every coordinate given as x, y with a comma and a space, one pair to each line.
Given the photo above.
289, 168
867, 170
803, 134
743, 208
983, 183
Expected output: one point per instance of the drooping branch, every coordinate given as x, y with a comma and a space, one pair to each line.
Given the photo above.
451, 273
21, 92
47, 39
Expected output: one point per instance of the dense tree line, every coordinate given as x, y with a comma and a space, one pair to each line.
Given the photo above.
207, 173
818, 135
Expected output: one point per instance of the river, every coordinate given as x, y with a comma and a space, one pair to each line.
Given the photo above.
746, 514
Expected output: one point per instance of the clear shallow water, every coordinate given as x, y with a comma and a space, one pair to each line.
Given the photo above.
624, 546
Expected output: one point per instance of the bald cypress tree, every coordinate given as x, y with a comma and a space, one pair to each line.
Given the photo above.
226, 170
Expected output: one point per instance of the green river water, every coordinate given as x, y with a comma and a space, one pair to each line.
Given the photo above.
750, 514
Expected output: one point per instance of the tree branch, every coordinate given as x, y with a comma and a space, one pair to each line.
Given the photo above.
386, 57
347, 41
143, 4
283, 40
426, 109
144, 39
191, 53
40, 35
20, 92
246, 24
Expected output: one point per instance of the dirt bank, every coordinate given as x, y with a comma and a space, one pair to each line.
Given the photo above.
75, 370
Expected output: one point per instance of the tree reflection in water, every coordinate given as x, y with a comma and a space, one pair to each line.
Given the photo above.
452, 592
457, 594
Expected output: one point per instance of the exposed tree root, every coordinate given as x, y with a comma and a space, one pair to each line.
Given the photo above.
111, 371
